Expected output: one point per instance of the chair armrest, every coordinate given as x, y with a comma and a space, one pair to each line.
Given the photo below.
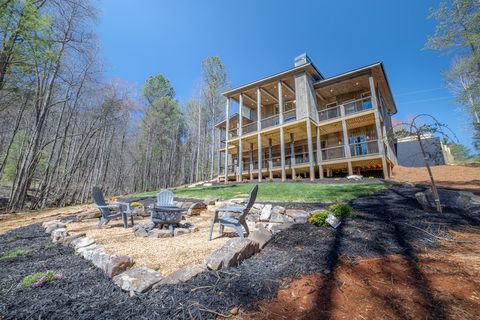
231, 209
108, 206
126, 204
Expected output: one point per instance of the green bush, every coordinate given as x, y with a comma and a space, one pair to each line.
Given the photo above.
135, 204
298, 178
15, 253
341, 210
319, 218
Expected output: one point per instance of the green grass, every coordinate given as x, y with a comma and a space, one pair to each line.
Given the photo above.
29, 280
15, 253
277, 191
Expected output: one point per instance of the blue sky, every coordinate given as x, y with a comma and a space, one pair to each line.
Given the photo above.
258, 38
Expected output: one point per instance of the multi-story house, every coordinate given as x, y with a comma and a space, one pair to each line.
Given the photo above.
299, 123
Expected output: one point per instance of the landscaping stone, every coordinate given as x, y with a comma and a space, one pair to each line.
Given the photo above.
67, 240
280, 218
81, 242
160, 233
355, 177
54, 225
298, 216
182, 275
193, 229
196, 208
140, 232
99, 259
186, 205
277, 227
117, 264
58, 235
87, 252
231, 253
408, 185
179, 231
238, 200
252, 217
210, 202
266, 212
260, 236
137, 280
423, 201
278, 209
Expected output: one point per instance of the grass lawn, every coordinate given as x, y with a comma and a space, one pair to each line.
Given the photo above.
277, 191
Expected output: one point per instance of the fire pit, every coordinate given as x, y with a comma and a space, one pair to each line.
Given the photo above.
165, 215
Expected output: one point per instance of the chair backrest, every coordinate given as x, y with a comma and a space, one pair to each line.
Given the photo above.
250, 202
99, 200
165, 198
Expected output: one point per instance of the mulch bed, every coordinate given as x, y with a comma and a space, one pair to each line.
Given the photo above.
383, 227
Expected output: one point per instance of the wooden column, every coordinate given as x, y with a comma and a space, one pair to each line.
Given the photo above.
240, 160
310, 150
319, 153
350, 170
381, 148
251, 161
280, 102
227, 115
282, 154
346, 145
292, 154
259, 137
270, 161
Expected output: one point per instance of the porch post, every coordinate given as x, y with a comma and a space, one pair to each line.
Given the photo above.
345, 133
270, 162
280, 102
251, 161
282, 154
240, 160
292, 154
240, 115
319, 153
227, 115
310, 150
381, 148
259, 137
350, 169
260, 176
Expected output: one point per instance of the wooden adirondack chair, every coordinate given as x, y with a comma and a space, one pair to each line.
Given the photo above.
235, 223
165, 199
122, 209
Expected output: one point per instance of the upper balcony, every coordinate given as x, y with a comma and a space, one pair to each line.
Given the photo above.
334, 110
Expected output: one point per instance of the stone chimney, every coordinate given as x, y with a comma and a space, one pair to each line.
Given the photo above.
302, 59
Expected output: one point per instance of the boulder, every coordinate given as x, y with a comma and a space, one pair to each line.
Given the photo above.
278, 209
87, 252
182, 275
81, 242
258, 206
137, 280
141, 232
186, 204
408, 185
117, 264
423, 201
47, 223
67, 240
196, 208
99, 259
452, 199
231, 253
160, 233
210, 202
280, 218
355, 177
193, 229
58, 235
260, 236
277, 227
180, 231
266, 212
54, 225
253, 217
298, 216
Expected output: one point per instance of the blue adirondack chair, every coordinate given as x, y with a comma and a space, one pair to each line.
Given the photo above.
122, 209
235, 223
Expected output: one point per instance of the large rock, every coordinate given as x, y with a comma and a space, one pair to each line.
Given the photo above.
185, 205
266, 212
278, 209
87, 251
260, 236
53, 226
160, 233
47, 223
280, 218
196, 208
100, 259
141, 231
81, 242
58, 235
355, 177
182, 275
231, 253
179, 231
210, 202
117, 264
137, 280
298, 216
452, 199
67, 241
278, 227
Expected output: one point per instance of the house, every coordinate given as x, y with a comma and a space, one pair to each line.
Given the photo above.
300, 123
410, 154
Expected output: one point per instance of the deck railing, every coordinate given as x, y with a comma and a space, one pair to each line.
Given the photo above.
290, 115
233, 133
270, 121
357, 106
333, 153
251, 127
364, 148
330, 113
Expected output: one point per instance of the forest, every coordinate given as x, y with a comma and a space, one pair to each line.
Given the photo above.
64, 128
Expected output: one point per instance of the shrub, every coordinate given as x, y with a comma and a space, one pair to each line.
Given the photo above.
39, 279
135, 204
341, 210
319, 218
298, 178
15, 253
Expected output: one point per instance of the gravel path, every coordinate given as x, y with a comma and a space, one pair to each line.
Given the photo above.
383, 227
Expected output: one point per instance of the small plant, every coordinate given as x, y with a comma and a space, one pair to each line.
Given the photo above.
341, 210
50, 246
39, 279
319, 219
135, 204
15, 253
270, 179
298, 178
